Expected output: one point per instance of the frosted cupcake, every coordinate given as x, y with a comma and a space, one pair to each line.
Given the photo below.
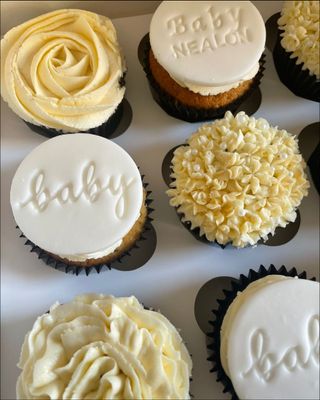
238, 179
190, 61
62, 72
79, 198
102, 347
265, 342
296, 54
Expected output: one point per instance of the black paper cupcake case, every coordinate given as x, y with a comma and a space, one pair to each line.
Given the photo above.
299, 81
179, 110
213, 337
59, 265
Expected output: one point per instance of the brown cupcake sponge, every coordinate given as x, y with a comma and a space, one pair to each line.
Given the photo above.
189, 98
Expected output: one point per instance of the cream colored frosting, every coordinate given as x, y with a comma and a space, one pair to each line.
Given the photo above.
62, 70
92, 256
78, 204
270, 339
197, 43
102, 347
300, 22
238, 179
214, 90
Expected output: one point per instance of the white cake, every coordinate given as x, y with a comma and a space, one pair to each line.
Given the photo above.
77, 196
270, 339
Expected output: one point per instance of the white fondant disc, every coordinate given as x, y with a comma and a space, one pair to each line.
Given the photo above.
76, 194
207, 42
273, 346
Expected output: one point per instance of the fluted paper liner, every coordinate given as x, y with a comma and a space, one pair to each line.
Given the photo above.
299, 81
280, 237
123, 262
179, 110
230, 294
309, 144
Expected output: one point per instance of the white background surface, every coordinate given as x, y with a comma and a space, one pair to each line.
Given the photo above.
181, 264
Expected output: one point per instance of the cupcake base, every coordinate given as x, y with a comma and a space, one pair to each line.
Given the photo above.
299, 81
177, 109
281, 236
131, 258
214, 335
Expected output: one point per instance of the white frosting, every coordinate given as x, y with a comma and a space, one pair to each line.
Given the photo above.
101, 347
62, 70
270, 340
238, 179
213, 90
77, 196
300, 22
197, 42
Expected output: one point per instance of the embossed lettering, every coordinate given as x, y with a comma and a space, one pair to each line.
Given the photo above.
199, 25
265, 363
192, 46
90, 189
180, 50
219, 29
177, 25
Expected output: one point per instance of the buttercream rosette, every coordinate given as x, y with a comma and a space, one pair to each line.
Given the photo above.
102, 347
299, 22
62, 70
296, 54
238, 179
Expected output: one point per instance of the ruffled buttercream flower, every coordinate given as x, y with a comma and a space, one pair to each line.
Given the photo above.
300, 24
62, 70
101, 347
238, 179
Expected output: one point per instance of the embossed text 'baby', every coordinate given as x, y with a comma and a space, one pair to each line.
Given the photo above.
265, 363
90, 189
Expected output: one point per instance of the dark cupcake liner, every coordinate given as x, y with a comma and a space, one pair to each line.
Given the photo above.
299, 81
175, 108
281, 236
314, 165
59, 265
213, 337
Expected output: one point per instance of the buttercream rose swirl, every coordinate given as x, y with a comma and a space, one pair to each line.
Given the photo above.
62, 70
100, 347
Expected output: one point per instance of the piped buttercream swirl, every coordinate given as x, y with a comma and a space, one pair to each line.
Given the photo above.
300, 23
101, 347
238, 179
62, 70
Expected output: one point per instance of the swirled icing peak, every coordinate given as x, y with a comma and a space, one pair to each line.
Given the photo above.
62, 70
300, 24
102, 347
238, 179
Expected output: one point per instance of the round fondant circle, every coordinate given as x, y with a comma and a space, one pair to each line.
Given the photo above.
76, 194
208, 43
273, 342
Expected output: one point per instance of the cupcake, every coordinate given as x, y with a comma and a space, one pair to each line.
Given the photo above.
80, 198
237, 179
190, 60
63, 72
102, 347
266, 337
296, 54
